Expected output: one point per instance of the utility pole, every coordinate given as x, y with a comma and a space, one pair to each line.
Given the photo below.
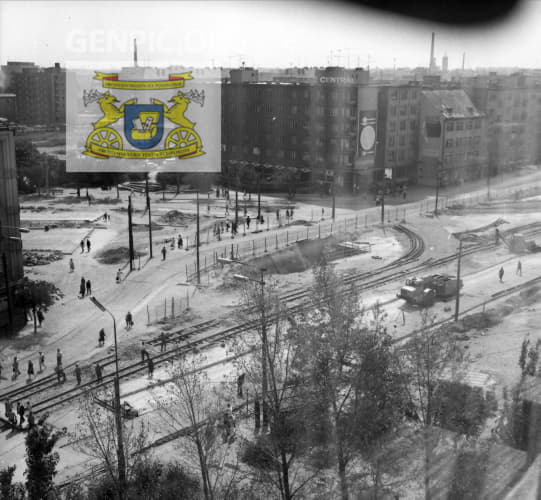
457, 302
258, 195
197, 243
333, 214
130, 234
264, 388
382, 199
8, 291
149, 218
237, 200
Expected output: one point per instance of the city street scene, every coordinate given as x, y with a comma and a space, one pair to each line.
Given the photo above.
262, 265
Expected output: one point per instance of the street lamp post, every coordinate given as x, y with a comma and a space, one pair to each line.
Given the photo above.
118, 416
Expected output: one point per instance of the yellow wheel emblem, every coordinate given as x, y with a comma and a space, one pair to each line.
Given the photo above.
104, 137
182, 137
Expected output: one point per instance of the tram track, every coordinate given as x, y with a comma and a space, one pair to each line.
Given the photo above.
185, 340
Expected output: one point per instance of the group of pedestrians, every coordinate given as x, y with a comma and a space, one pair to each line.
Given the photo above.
88, 245
85, 288
20, 411
518, 272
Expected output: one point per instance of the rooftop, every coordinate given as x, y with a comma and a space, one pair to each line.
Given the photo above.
453, 103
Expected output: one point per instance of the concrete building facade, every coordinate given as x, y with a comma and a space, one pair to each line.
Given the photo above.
452, 139
398, 134
11, 270
8, 107
303, 135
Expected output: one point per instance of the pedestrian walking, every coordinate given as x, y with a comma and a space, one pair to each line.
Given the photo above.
240, 384
8, 407
40, 316
72, 266
30, 370
41, 361
82, 287
163, 342
82, 246
164, 252
31, 418
99, 374
248, 222
58, 357
16, 371
88, 245
78, 373
119, 275
500, 274
150, 367
519, 268
20, 412
179, 241
144, 352
129, 321
101, 337
88, 287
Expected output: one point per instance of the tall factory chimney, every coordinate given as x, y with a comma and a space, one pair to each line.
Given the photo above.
463, 60
431, 64
135, 52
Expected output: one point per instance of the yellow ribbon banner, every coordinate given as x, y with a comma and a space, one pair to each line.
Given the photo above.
111, 81
184, 152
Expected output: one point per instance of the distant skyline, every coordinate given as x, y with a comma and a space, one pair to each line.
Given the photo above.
98, 35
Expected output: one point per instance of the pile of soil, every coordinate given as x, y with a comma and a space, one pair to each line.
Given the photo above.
41, 258
176, 217
115, 255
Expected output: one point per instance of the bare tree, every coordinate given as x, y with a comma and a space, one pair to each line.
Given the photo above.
353, 389
267, 365
190, 406
96, 436
431, 358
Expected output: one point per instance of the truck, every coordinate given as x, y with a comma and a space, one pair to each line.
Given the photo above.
424, 291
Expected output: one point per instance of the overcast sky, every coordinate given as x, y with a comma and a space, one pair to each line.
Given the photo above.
224, 33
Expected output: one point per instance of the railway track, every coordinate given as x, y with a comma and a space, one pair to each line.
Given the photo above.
185, 340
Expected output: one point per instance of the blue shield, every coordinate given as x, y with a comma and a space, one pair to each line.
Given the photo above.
143, 125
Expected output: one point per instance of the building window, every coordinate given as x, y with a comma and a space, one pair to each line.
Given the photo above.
402, 140
413, 124
402, 124
460, 125
392, 126
469, 125
401, 155
392, 110
449, 143
450, 126
414, 94
403, 94
403, 110
477, 123
391, 141
394, 95
390, 156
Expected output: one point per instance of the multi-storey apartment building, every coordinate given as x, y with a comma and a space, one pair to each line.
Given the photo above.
318, 134
40, 93
452, 139
398, 133
511, 106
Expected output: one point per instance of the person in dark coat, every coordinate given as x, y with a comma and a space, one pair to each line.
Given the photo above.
82, 246
40, 316
20, 410
30, 370
99, 374
150, 367
163, 342
88, 245
500, 274
88, 287
129, 321
240, 384
78, 373
16, 371
82, 287
164, 252
101, 337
